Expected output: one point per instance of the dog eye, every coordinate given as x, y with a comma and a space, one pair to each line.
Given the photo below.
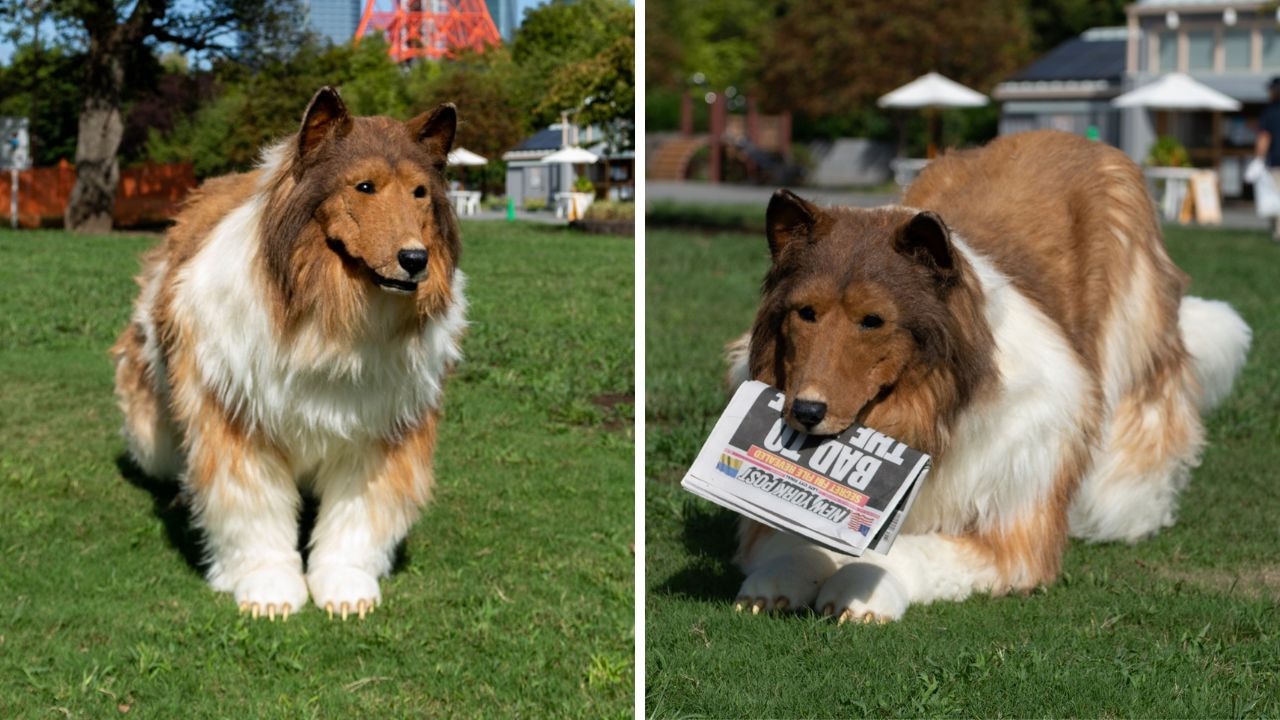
807, 314
420, 191
871, 322
365, 187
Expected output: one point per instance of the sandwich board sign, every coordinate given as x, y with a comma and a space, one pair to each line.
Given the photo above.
15, 154
15, 143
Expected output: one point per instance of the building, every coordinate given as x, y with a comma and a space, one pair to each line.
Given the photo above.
506, 16
334, 20
528, 178
1228, 45
1069, 89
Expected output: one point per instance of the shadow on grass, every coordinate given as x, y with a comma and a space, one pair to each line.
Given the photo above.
172, 507
710, 536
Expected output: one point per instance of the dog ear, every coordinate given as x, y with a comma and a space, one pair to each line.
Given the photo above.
926, 240
435, 130
789, 217
326, 117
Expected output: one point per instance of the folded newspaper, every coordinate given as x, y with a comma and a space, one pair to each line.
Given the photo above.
847, 492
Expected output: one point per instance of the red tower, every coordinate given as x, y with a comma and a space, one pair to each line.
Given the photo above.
429, 28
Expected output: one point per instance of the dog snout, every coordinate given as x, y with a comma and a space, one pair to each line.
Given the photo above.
808, 412
413, 260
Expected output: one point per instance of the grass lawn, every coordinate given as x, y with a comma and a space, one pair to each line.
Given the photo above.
1183, 625
513, 596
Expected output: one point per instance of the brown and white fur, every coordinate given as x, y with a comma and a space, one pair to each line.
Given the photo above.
1019, 319
293, 333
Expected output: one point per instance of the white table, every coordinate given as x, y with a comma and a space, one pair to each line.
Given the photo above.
1176, 180
465, 202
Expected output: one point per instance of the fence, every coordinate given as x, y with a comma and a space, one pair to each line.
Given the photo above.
147, 195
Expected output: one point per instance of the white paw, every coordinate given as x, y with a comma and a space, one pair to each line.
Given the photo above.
787, 582
270, 591
343, 589
862, 592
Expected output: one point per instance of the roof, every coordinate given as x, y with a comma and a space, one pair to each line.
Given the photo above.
1097, 54
550, 138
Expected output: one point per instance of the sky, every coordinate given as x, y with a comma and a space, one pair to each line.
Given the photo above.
7, 46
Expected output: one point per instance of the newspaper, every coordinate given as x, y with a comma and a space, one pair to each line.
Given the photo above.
849, 492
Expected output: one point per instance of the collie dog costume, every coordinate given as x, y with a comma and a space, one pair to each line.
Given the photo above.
1019, 319
293, 333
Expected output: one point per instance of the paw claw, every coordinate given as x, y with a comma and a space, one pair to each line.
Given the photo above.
740, 604
757, 606
780, 604
345, 610
328, 607
845, 617
828, 610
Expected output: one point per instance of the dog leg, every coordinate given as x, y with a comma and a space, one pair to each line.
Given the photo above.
245, 499
783, 571
919, 569
148, 427
368, 501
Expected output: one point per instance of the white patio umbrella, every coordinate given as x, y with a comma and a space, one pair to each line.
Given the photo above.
932, 91
464, 157
573, 155
1177, 91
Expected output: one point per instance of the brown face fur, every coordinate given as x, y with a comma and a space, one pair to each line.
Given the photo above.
859, 317
362, 206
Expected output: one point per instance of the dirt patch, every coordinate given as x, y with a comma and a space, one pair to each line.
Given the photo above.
1259, 582
616, 416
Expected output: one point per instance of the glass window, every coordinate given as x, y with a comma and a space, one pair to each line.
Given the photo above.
1270, 48
1200, 50
1236, 46
1168, 52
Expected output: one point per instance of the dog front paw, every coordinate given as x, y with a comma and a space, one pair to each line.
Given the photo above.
789, 582
862, 592
270, 591
344, 590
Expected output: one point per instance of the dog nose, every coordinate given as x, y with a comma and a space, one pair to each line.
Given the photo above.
808, 412
413, 261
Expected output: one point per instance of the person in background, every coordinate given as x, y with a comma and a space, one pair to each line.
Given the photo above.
1267, 147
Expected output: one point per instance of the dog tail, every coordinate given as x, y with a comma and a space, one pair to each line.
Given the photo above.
1217, 339
738, 354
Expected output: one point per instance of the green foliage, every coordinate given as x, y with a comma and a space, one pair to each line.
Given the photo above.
578, 57
610, 210
718, 40
583, 184
1167, 151
534, 204
41, 85
1182, 625
1056, 21
513, 597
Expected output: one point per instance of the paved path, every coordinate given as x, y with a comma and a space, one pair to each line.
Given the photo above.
1239, 216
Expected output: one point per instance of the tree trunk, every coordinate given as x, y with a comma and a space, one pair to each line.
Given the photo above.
97, 169
101, 125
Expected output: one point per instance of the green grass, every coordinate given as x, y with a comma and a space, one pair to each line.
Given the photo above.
1183, 625
513, 597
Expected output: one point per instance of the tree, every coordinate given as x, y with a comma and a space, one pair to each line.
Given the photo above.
575, 54
1056, 21
824, 57
110, 31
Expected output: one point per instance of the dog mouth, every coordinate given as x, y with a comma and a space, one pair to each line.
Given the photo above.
391, 285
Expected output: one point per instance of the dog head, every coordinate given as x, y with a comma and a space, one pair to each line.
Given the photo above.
366, 196
855, 306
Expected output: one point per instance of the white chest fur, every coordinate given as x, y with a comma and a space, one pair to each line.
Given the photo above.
308, 394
